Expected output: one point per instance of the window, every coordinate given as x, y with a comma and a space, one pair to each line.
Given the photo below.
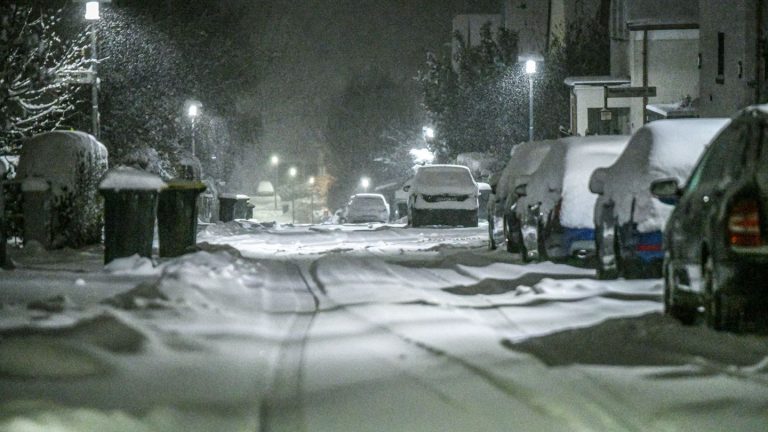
720, 58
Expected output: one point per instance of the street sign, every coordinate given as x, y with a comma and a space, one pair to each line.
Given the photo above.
629, 92
79, 76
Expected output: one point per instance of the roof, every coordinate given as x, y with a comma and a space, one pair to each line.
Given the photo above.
596, 80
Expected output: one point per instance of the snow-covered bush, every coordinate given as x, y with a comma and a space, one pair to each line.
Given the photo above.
72, 163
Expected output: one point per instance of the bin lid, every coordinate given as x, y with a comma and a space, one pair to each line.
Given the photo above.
127, 178
234, 196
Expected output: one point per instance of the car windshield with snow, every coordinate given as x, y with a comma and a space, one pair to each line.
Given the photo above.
556, 207
363, 208
628, 220
443, 195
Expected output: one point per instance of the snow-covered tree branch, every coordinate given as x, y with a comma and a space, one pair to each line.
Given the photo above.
33, 96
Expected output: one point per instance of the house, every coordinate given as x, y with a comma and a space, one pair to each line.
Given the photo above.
732, 55
654, 69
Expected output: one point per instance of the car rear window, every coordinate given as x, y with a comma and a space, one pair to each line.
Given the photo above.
445, 177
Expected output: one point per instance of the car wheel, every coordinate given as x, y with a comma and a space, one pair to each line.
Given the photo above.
541, 244
717, 313
414, 218
672, 307
604, 272
491, 239
508, 242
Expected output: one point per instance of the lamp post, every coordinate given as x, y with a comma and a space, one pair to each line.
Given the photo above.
92, 14
193, 111
530, 70
275, 162
365, 182
292, 173
311, 200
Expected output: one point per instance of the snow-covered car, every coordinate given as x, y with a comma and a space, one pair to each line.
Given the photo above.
365, 207
628, 219
716, 239
523, 161
555, 207
442, 195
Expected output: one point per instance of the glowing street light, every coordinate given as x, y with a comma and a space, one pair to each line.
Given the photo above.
193, 111
429, 132
92, 10
311, 182
292, 171
530, 70
92, 14
365, 182
275, 162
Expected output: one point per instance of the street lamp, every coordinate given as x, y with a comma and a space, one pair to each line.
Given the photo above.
311, 200
530, 70
193, 110
365, 182
292, 173
275, 162
429, 132
92, 14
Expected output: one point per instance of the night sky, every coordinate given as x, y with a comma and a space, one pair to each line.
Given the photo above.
320, 44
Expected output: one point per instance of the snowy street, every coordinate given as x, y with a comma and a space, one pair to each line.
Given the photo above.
357, 328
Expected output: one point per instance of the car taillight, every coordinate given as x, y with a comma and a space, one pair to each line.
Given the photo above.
744, 224
655, 247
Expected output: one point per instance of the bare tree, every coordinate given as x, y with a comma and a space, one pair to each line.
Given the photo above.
34, 97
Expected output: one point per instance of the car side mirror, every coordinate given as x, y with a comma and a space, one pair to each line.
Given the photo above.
666, 190
597, 182
406, 188
521, 190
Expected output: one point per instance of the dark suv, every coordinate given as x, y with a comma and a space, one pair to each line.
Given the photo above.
716, 240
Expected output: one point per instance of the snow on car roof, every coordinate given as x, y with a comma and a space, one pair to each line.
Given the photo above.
523, 161
437, 179
565, 172
368, 195
483, 186
660, 149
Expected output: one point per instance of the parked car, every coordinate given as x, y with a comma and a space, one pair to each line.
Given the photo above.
523, 161
716, 239
442, 195
555, 208
628, 219
366, 207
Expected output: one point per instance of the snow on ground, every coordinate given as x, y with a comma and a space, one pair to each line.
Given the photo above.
356, 328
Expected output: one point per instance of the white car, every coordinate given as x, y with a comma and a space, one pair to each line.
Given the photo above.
628, 220
442, 195
364, 207
555, 207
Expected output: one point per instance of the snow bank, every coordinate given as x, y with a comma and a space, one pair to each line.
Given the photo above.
660, 149
564, 174
128, 178
132, 265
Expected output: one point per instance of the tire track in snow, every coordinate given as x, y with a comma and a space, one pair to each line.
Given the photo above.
282, 408
515, 390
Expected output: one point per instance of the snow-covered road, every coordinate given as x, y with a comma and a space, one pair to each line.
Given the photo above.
358, 328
